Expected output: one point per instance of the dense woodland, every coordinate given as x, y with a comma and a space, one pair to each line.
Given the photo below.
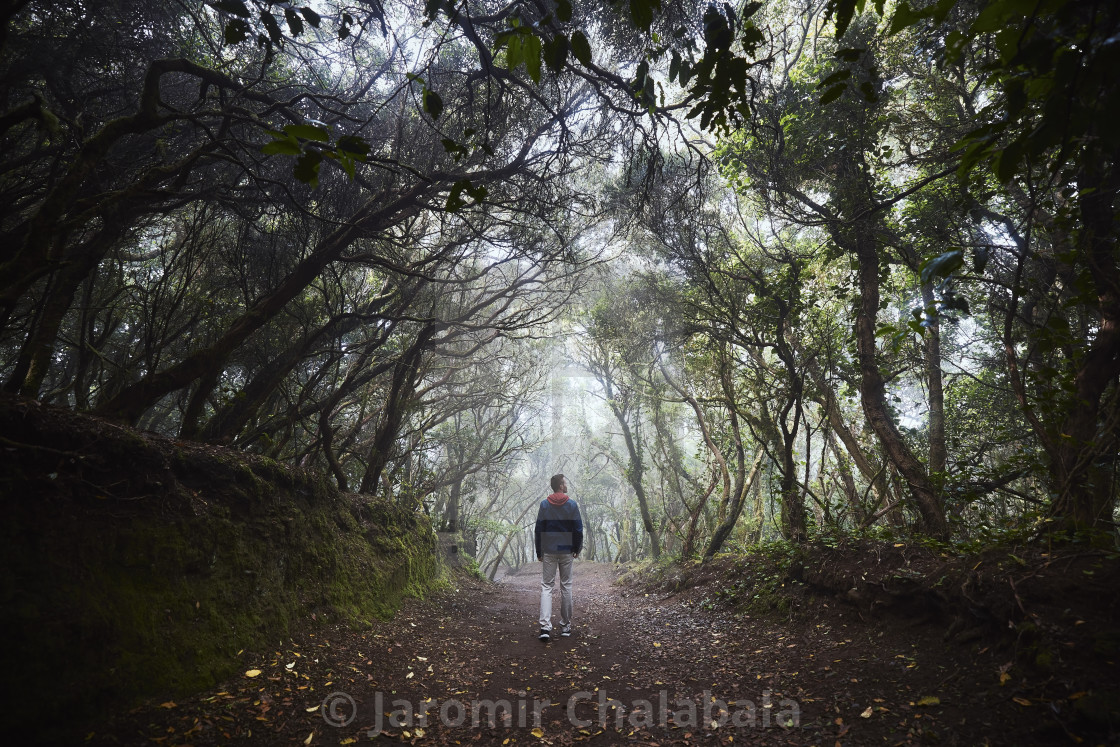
770, 270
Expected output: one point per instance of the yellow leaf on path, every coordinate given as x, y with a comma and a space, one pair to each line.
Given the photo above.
1081, 694
409, 675
656, 644
1004, 677
1022, 701
348, 740
312, 709
168, 704
538, 732
929, 700
867, 713
418, 732
253, 673
309, 738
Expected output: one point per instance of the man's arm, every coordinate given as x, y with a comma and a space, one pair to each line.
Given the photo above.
577, 534
537, 531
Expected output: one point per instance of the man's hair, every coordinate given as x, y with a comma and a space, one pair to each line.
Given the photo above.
555, 481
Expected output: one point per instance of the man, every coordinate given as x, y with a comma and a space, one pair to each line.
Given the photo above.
559, 537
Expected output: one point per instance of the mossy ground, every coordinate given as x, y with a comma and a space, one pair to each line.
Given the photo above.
136, 566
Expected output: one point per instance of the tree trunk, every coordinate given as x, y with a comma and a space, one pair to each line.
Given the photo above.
705, 431
392, 415
723, 531
937, 451
1084, 499
873, 391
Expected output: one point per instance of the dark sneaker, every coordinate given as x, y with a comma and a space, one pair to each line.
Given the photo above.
544, 635
565, 632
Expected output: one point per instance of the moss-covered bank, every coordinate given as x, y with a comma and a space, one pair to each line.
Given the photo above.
138, 566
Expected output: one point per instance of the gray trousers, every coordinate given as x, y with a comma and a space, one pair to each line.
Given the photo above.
551, 562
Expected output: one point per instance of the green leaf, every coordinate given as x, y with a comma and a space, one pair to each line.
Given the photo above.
564, 10
942, 266
455, 200
281, 147
642, 12
835, 78
309, 132
832, 94
311, 17
904, 16
433, 104
273, 28
307, 167
842, 11
1007, 160
979, 259
674, 66
531, 55
581, 49
354, 146
236, 31
556, 53
233, 7
456, 150
295, 23
347, 165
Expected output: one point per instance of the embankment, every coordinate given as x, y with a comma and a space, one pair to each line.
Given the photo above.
138, 566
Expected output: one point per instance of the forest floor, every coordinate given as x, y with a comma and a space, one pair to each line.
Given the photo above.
644, 665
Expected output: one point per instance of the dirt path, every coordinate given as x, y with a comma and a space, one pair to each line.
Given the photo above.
637, 670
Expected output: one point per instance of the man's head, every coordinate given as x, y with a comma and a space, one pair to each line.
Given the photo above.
559, 484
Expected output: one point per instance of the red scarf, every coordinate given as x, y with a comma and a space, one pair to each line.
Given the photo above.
558, 499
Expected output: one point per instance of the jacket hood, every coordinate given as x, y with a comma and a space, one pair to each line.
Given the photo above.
557, 499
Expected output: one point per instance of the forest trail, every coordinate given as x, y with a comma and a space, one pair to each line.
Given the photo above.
853, 681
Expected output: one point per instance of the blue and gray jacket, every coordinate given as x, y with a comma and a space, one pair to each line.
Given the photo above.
559, 526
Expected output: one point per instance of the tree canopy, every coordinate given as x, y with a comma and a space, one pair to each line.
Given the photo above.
794, 267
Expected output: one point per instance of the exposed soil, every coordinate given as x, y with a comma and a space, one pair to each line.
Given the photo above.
856, 674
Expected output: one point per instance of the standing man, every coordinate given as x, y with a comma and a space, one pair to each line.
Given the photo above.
559, 536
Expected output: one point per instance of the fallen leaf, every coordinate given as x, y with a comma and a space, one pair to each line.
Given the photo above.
1022, 701
309, 738
537, 732
928, 700
253, 673
867, 713
348, 740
